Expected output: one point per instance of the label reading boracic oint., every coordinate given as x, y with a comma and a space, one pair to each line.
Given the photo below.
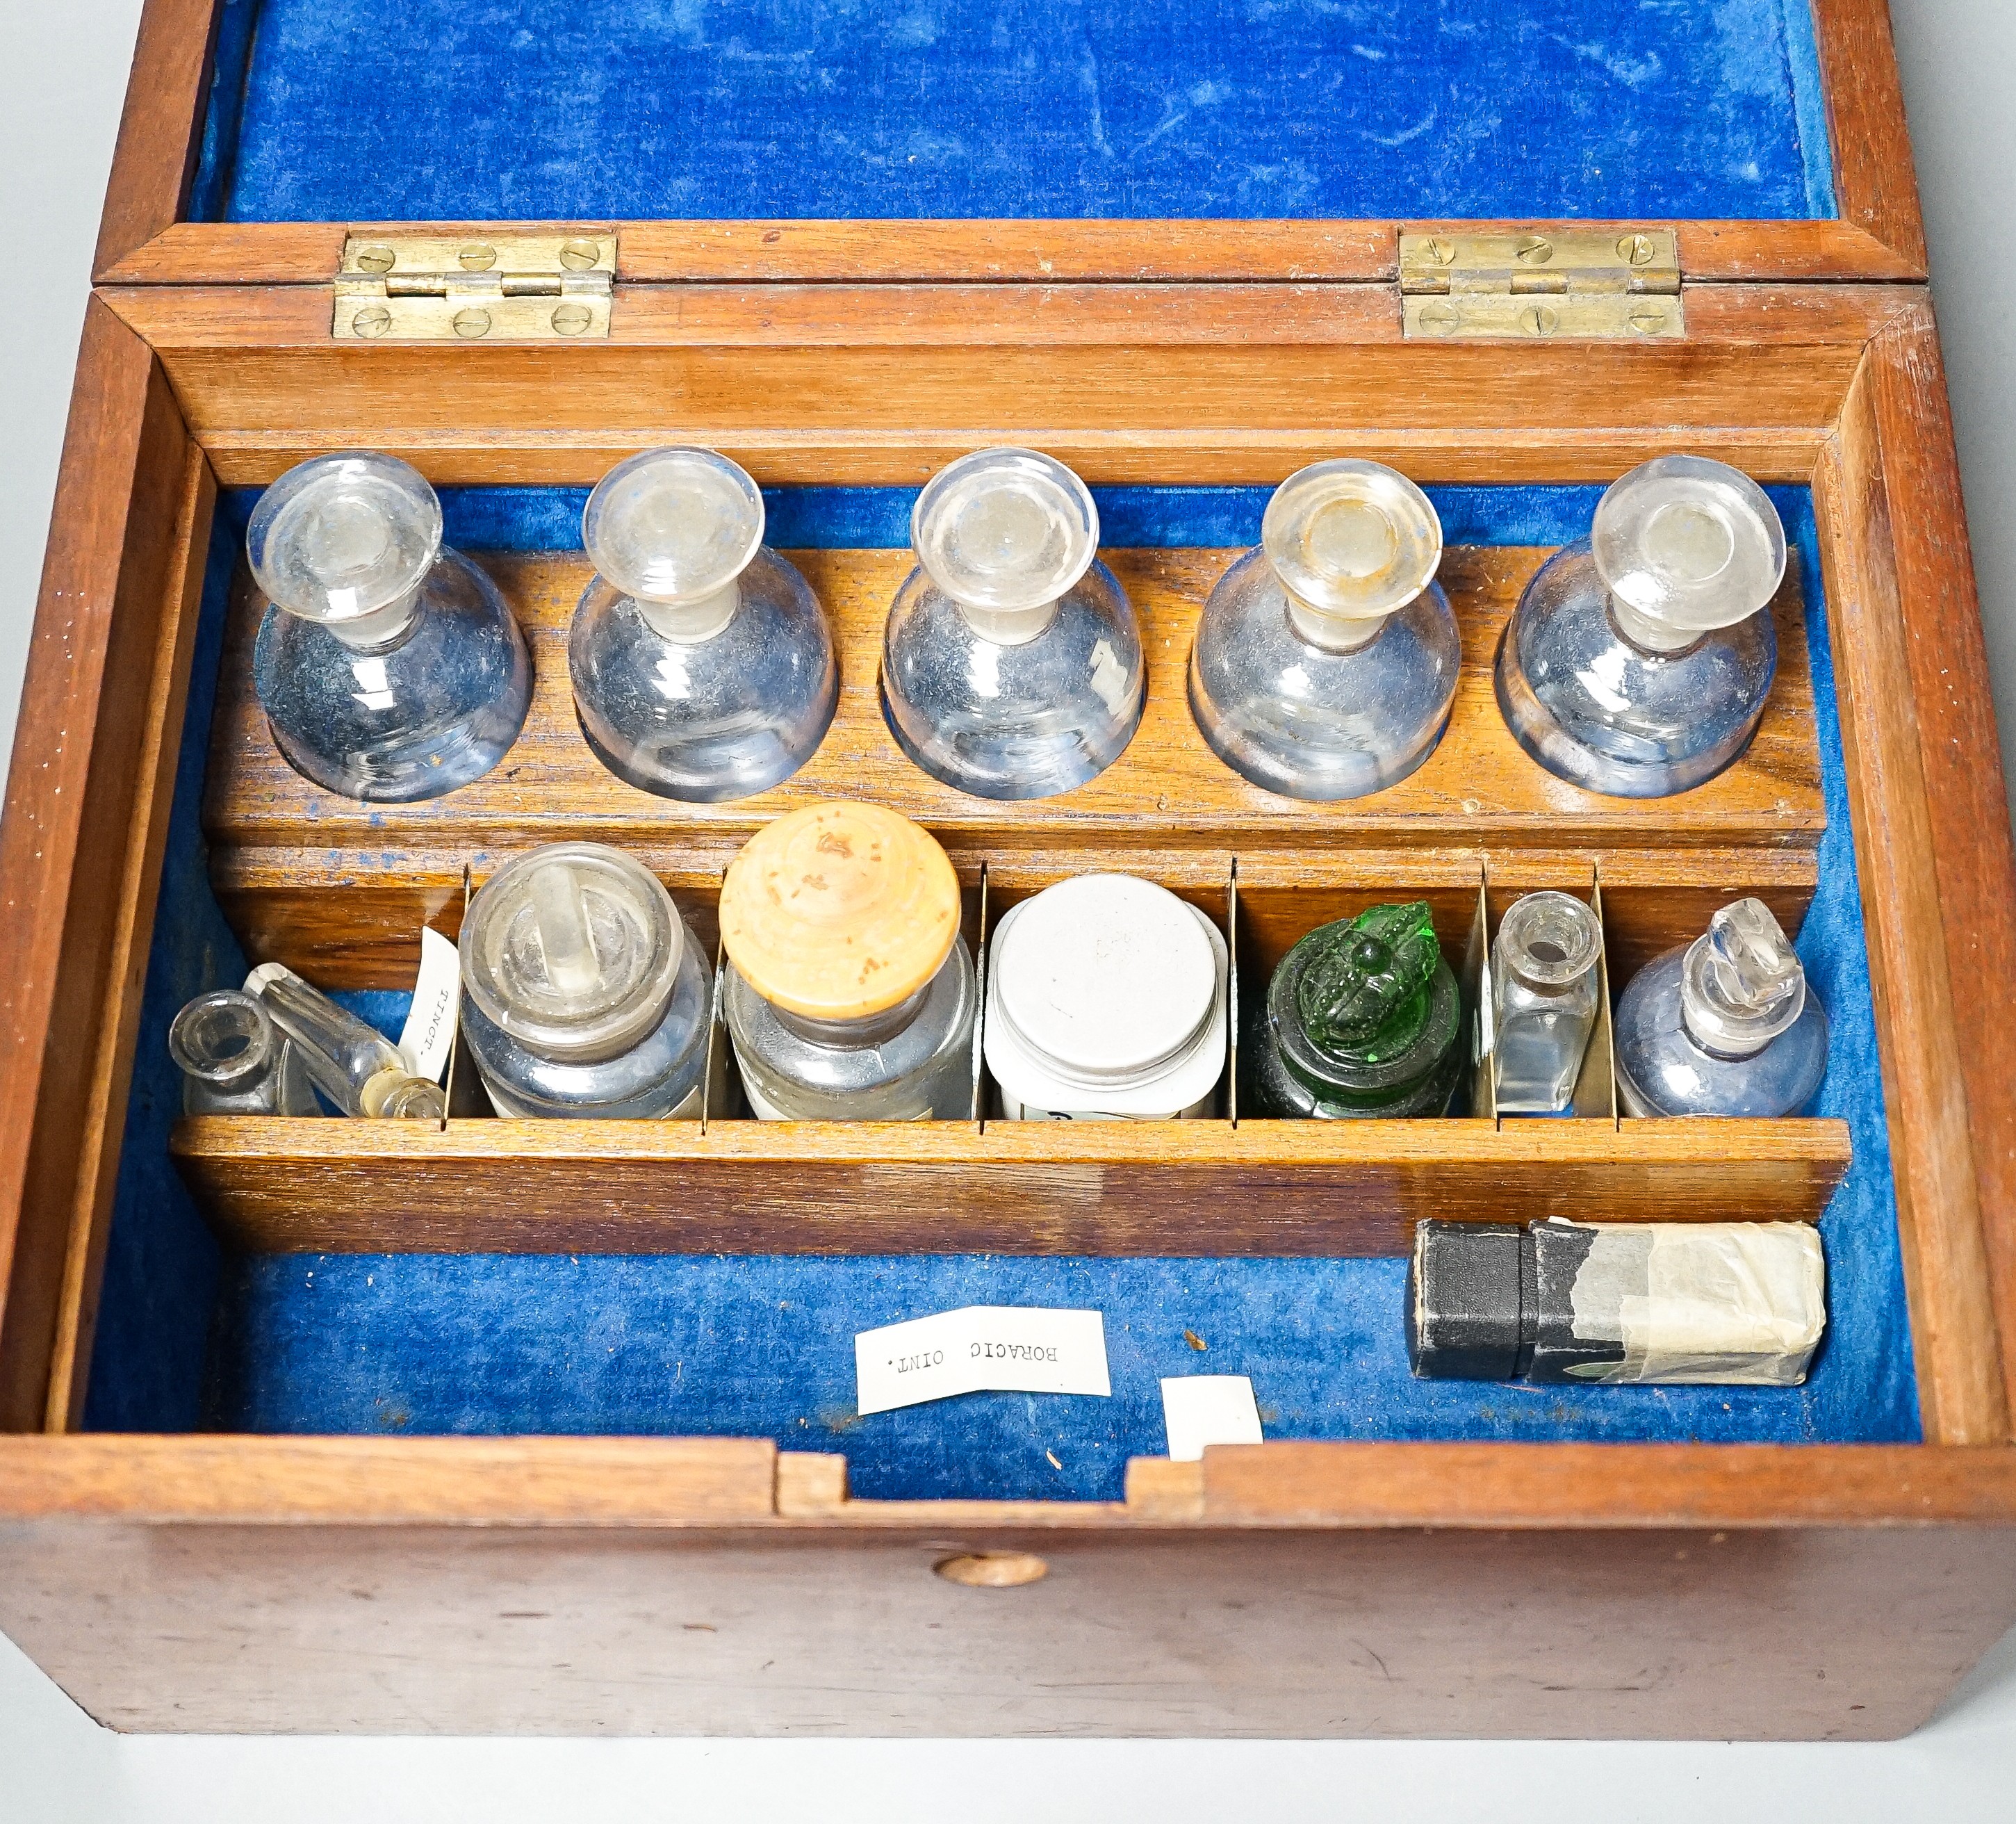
1019, 1349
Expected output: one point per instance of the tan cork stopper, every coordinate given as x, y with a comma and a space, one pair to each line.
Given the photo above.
839, 911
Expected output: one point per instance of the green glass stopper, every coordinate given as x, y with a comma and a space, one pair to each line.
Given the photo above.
1364, 995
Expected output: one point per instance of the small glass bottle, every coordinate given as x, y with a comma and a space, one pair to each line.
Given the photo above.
1545, 988
849, 993
357, 1067
388, 665
1362, 1018
1723, 1025
585, 994
1012, 664
1326, 661
234, 1062
1106, 1001
1639, 659
703, 667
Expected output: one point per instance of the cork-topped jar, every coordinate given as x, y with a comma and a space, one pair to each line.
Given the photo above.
849, 992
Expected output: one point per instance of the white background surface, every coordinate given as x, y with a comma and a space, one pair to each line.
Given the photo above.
63, 76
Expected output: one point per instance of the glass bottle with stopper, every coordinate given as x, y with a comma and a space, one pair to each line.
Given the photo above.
357, 1067
1362, 1018
1545, 988
1326, 661
584, 993
1724, 1025
849, 992
235, 1062
1012, 664
703, 667
1638, 660
388, 667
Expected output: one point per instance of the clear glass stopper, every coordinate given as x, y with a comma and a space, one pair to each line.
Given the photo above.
1743, 983
573, 950
1351, 541
1685, 545
673, 529
344, 541
358, 1068
1005, 533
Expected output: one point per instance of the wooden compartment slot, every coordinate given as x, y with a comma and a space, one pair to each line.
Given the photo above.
282, 848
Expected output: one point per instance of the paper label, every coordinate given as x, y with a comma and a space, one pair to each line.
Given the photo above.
429, 1032
1014, 1349
1208, 1409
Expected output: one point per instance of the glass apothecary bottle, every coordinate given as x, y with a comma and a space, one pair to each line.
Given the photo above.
1325, 660
1362, 1018
583, 995
234, 1061
1012, 664
849, 992
702, 666
357, 1067
388, 665
1546, 985
1638, 661
1106, 1001
1724, 1025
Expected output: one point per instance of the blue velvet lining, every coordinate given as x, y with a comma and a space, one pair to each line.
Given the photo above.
762, 1346
453, 110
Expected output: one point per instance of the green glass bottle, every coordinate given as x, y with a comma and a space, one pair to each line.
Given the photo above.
1362, 1018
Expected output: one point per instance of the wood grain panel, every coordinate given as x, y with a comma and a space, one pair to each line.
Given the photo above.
1875, 183
1196, 1187
1902, 835
79, 852
811, 380
1015, 252
160, 131
281, 846
459, 1585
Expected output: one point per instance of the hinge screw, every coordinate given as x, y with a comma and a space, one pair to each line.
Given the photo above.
1539, 320
1534, 250
472, 322
477, 258
1647, 319
577, 256
374, 319
570, 319
1439, 319
1635, 250
1442, 252
374, 259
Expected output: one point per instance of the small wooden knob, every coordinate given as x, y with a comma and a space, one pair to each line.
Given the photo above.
839, 911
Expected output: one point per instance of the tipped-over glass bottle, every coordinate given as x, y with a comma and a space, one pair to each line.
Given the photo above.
703, 668
1639, 659
585, 995
849, 992
1545, 988
1326, 661
234, 1061
1012, 664
1723, 1025
388, 665
1362, 1018
357, 1067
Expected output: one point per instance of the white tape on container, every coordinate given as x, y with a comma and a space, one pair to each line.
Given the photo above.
1741, 1304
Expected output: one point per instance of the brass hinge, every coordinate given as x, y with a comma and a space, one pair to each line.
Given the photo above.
1567, 286
514, 288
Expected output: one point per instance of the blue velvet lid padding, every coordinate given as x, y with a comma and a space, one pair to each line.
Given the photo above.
629, 110
763, 1345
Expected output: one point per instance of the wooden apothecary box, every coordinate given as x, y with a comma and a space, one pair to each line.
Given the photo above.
1162, 242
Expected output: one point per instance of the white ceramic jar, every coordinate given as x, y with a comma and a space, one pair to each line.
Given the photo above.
1106, 1001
